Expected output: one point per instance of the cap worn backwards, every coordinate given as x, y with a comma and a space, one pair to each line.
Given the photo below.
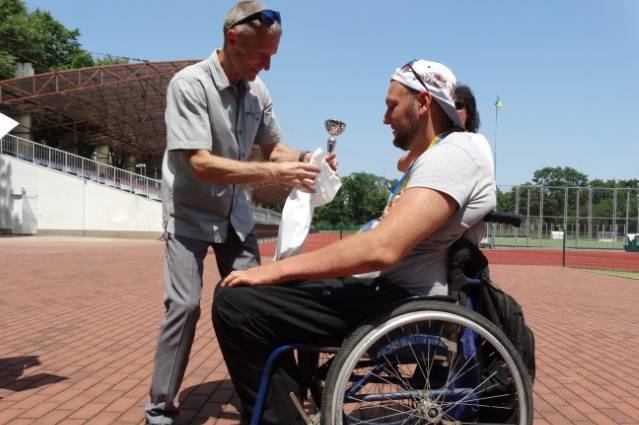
434, 77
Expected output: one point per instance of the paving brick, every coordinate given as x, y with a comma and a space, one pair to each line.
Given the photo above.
91, 360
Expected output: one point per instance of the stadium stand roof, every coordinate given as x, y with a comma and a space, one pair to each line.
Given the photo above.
117, 105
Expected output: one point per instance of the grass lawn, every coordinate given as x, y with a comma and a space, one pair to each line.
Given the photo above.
627, 275
557, 243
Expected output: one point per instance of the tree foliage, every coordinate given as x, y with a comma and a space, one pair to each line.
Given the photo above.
361, 198
559, 176
38, 38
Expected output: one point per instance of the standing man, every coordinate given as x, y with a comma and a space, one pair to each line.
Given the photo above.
216, 111
305, 299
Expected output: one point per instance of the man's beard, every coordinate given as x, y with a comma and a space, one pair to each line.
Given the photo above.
402, 140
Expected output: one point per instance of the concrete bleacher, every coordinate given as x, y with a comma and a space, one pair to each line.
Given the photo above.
49, 191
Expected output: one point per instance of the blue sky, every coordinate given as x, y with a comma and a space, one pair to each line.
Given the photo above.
566, 70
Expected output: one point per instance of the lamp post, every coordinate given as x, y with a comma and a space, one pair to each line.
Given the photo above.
142, 167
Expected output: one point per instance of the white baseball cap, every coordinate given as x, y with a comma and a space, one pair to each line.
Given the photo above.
433, 77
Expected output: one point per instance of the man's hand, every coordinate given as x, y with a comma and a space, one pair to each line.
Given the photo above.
331, 159
262, 275
300, 175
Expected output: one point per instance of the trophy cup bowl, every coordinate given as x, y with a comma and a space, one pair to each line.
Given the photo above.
334, 128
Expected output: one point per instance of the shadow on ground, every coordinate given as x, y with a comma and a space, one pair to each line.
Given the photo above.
208, 400
13, 368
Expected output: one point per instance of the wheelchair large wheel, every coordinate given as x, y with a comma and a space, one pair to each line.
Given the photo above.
427, 362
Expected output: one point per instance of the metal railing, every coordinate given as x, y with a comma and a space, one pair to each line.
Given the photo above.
266, 216
581, 217
79, 166
117, 178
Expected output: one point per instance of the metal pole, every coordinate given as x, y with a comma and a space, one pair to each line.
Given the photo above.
589, 212
614, 213
541, 212
577, 220
627, 229
528, 217
517, 213
565, 213
563, 257
495, 152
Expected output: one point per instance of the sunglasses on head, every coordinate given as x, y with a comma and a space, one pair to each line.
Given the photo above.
409, 67
266, 16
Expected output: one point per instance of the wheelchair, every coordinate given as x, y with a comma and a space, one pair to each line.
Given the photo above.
427, 361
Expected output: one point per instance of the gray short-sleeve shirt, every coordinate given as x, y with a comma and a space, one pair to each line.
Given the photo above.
204, 111
457, 167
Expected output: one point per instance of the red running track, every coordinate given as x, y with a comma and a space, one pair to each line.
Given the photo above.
590, 259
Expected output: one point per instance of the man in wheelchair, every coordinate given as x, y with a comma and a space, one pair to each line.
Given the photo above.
313, 297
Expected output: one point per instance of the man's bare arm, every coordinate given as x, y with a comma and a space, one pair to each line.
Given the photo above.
417, 214
279, 152
210, 167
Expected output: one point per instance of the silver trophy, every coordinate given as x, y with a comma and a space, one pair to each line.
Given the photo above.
334, 128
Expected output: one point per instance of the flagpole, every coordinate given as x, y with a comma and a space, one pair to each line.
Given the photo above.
495, 152
498, 106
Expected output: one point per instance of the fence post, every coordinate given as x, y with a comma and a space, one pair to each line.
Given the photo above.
577, 219
517, 213
563, 257
627, 230
541, 212
528, 217
614, 213
565, 211
589, 212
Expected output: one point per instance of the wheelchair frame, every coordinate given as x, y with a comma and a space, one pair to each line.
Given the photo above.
488, 331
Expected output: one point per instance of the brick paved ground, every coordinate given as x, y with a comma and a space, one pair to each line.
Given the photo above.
80, 317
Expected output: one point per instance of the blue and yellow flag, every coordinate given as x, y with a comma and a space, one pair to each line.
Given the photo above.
498, 103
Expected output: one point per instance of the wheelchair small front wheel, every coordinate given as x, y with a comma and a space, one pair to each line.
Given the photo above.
427, 362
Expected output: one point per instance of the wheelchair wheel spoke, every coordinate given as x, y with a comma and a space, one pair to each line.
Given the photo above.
428, 365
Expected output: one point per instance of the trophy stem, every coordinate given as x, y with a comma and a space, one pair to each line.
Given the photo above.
332, 141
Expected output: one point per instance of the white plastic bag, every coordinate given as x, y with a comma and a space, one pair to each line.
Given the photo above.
298, 209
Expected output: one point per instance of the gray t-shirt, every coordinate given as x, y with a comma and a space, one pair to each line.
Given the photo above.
457, 167
204, 111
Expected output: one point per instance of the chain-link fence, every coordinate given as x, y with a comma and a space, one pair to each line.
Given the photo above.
588, 217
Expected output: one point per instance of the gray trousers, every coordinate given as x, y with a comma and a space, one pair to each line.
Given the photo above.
182, 289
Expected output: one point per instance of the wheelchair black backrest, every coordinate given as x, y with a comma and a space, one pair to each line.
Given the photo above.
466, 261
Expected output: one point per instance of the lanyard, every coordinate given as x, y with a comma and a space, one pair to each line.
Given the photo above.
401, 184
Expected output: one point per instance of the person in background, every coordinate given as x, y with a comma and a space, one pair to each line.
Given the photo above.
469, 115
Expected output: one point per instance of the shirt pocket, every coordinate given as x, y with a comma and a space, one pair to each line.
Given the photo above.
252, 120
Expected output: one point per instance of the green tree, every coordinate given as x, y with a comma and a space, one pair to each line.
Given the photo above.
110, 60
559, 176
506, 201
38, 38
554, 180
361, 198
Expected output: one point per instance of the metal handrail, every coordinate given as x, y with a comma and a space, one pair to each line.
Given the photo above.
76, 165
117, 178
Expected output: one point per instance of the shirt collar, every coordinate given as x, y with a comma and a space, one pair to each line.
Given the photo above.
219, 76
